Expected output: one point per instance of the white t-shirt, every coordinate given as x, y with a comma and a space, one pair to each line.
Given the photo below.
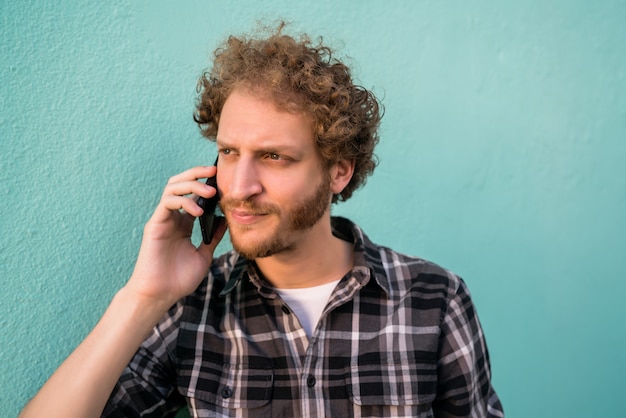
308, 303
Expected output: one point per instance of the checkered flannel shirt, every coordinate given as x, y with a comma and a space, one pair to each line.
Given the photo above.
399, 337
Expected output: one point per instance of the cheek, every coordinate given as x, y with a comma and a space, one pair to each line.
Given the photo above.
221, 182
291, 186
224, 180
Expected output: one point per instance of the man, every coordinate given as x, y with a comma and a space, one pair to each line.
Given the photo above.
306, 317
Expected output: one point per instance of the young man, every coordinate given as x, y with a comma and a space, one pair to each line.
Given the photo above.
306, 317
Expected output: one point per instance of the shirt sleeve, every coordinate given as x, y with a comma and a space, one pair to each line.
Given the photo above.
464, 374
147, 387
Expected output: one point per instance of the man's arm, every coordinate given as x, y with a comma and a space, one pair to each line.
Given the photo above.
168, 268
464, 373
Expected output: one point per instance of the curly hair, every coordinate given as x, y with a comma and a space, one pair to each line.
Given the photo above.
299, 77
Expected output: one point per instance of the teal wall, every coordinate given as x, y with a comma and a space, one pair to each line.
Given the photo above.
502, 158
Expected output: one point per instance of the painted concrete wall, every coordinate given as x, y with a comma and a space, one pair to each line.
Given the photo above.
502, 158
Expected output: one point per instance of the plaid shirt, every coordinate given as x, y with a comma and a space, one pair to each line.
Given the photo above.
399, 337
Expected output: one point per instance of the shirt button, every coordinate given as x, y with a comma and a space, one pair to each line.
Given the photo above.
227, 392
310, 381
285, 309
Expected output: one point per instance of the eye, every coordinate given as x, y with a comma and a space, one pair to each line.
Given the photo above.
276, 158
225, 151
272, 156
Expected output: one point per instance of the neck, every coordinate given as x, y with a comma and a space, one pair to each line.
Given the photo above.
317, 258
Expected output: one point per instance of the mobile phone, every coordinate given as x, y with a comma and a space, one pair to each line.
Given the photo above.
208, 219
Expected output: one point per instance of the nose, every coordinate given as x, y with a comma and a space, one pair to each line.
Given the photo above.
242, 179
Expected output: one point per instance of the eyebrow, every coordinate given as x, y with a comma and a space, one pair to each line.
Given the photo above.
265, 146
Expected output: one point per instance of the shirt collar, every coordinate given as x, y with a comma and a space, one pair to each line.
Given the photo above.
366, 254
367, 260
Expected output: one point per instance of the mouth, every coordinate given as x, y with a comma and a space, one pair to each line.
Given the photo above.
246, 217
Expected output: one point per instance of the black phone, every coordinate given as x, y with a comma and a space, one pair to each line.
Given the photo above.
209, 218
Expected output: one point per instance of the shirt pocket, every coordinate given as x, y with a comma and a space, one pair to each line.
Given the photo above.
221, 389
403, 387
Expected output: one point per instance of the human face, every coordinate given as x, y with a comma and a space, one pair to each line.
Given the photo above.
273, 185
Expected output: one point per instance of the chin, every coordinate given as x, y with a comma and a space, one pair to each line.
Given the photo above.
263, 242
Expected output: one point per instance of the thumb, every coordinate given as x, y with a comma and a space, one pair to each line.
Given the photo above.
207, 250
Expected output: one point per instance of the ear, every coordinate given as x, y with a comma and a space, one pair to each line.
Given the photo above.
340, 175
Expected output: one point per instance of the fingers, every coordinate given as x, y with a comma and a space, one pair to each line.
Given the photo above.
171, 203
182, 190
194, 174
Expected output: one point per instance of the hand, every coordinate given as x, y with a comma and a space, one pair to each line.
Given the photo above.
169, 266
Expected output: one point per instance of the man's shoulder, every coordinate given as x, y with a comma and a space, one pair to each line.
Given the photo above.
401, 272
416, 273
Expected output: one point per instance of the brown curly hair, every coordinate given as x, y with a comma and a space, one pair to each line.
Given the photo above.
298, 76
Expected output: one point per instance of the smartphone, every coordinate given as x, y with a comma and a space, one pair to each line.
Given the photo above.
209, 218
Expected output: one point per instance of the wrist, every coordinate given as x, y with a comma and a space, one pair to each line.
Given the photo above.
143, 310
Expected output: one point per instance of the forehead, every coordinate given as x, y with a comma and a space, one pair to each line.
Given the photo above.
254, 118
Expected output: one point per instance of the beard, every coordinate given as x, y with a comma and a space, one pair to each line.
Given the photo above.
304, 215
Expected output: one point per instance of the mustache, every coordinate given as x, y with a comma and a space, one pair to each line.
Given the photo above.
253, 208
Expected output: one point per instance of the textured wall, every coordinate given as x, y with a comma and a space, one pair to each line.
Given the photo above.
502, 158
